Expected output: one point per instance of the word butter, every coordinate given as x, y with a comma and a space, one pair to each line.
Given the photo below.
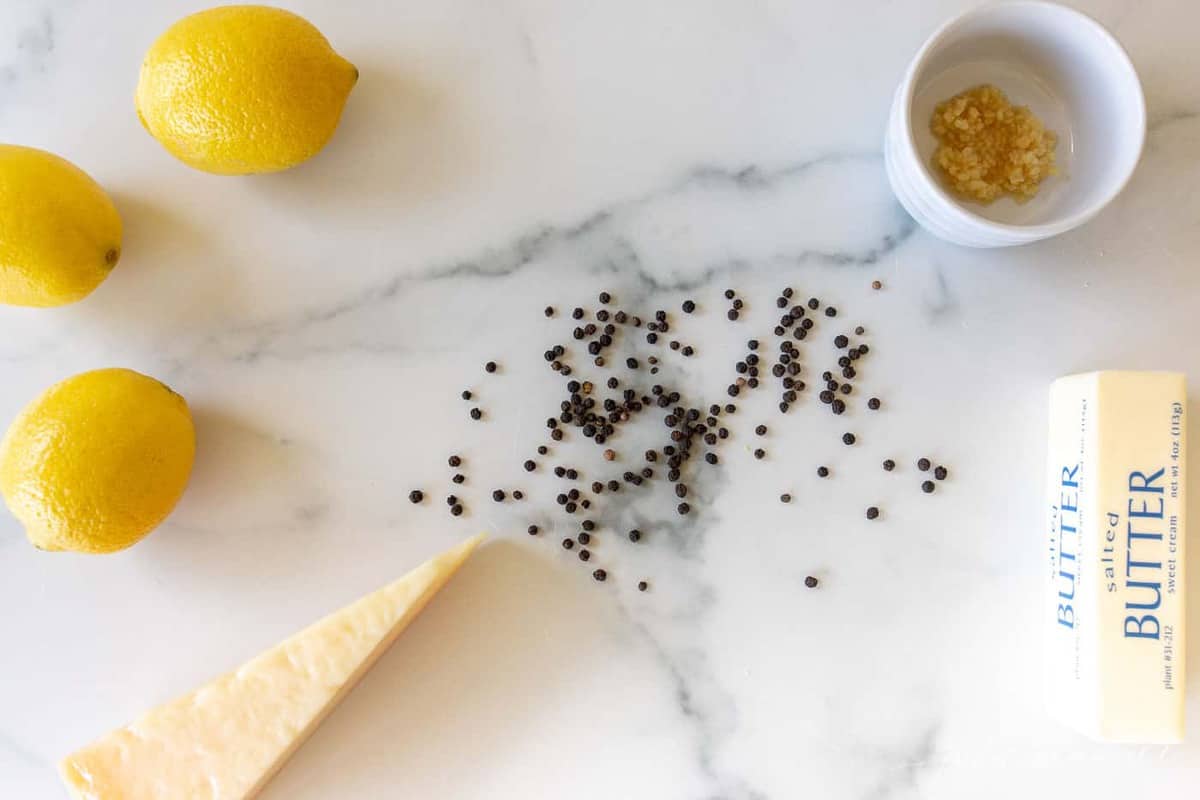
1114, 609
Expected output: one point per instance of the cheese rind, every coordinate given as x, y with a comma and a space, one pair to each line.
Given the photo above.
228, 738
1115, 604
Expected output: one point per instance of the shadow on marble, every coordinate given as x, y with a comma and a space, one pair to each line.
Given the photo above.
460, 688
173, 275
400, 141
252, 500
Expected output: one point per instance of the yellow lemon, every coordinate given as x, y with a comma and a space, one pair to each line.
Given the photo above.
98, 461
243, 89
60, 234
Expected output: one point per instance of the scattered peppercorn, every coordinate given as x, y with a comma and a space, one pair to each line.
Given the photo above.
923, 464
688, 306
823, 472
848, 438
785, 498
876, 285
466, 395
889, 464
761, 430
568, 544
458, 477
683, 508
584, 555
549, 312
456, 510
530, 465
454, 461
600, 575
476, 414
927, 487
811, 582
416, 496
532, 530
490, 366
873, 404
872, 512
643, 586
760, 454
498, 495
940, 473
605, 298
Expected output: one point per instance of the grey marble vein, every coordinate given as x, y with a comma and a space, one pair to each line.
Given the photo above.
622, 254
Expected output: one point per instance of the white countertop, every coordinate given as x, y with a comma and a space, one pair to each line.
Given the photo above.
497, 157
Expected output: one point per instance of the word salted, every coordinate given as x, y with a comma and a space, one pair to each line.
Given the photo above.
1115, 649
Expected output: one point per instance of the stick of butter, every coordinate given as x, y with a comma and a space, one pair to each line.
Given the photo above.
1115, 606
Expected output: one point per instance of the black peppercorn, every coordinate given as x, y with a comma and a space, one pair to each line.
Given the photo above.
568, 544
476, 414
605, 298
416, 496
458, 477
873, 404
927, 487
683, 508
466, 395
490, 366
760, 453
732, 314
889, 464
498, 495
532, 530
923, 464
872, 512
600, 575
643, 586
940, 473
456, 510
823, 472
848, 438
810, 582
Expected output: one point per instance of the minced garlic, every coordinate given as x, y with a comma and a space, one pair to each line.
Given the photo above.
988, 147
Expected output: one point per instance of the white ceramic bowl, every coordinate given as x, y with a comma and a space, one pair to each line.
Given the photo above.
1074, 76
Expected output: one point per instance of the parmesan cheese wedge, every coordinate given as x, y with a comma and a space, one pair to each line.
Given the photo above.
228, 738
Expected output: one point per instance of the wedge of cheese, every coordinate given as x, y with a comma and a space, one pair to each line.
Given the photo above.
227, 739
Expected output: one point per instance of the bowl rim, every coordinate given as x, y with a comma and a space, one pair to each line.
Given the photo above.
965, 215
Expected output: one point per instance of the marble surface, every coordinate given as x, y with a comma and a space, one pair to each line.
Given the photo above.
496, 157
